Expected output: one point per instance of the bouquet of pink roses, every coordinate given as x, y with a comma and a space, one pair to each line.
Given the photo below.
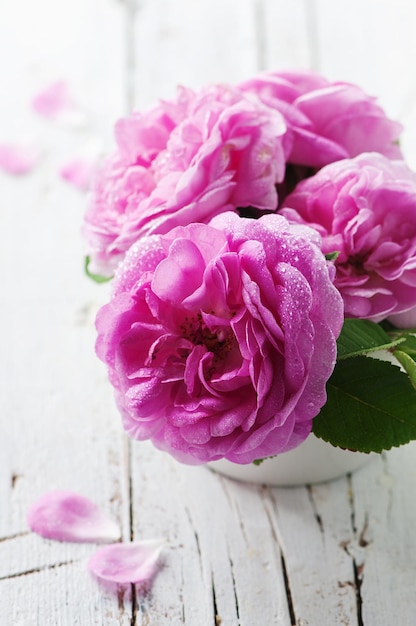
262, 239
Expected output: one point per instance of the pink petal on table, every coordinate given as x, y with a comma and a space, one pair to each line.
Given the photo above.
78, 173
68, 516
53, 100
127, 562
18, 158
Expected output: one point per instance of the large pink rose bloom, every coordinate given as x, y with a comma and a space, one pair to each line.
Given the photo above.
184, 161
219, 338
327, 120
365, 209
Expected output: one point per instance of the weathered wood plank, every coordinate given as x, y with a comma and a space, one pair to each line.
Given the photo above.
312, 526
384, 514
63, 594
58, 424
287, 34
221, 556
372, 43
182, 42
47, 307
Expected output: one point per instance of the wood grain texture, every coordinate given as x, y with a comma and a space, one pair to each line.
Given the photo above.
372, 43
236, 554
287, 34
182, 42
59, 429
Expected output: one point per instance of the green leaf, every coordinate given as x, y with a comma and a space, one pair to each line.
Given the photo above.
332, 256
260, 461
408, 364
360, 337
371, 406
409, 345
96, 277
388, 326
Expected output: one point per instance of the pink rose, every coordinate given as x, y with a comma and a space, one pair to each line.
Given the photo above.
219, 338
185, 161
407, 319
365, 209
328, 120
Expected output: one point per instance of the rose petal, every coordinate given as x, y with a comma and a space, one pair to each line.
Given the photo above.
407, 319
127, 562
52, 100
180, 273
67, 516
18, 158
78, 173
55, 103
364, 208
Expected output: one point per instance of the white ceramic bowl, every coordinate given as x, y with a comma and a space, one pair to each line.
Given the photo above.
313, 461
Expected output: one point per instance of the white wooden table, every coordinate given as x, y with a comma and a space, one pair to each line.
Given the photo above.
338, 553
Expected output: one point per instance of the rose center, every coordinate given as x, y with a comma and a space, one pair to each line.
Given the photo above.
356, 262
219, 342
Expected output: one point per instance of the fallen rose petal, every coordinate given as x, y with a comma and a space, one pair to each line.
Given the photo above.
52, 100
18, 158
127, 562
67, 516
78, 173
55, 103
